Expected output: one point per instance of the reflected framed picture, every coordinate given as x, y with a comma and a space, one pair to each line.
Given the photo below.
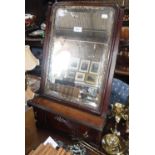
91, 79
94, 67
80, 76
71, 74
84, 65
74, 63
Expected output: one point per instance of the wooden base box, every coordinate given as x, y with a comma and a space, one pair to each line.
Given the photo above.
76, 123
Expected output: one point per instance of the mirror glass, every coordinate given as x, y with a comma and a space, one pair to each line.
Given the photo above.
79, 51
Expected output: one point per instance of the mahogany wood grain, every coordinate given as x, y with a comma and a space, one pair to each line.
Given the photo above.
69, 120
71, 113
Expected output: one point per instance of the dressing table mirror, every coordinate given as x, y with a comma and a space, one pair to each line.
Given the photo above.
80, 50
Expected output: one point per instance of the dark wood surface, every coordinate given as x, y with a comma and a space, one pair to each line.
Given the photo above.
35, 136
70, 112
69, 120
38, 8
122, 64
34, 42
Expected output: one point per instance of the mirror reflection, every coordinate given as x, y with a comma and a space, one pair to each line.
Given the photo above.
78, 54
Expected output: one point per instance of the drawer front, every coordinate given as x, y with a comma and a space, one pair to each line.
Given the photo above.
70, 127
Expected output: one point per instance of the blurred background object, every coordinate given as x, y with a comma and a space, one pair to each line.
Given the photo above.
30, 63
30, 60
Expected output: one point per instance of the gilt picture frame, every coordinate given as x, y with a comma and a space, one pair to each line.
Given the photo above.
94, 67
79, 76
84, 66
74, 63
91, 79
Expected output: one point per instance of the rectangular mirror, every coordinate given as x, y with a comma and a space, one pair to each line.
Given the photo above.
79, 50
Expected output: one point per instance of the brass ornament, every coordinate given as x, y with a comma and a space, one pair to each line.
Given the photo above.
113, 144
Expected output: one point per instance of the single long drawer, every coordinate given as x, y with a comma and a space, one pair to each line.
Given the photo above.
70, 127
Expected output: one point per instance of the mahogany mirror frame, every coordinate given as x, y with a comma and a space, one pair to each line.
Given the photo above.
103, 108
